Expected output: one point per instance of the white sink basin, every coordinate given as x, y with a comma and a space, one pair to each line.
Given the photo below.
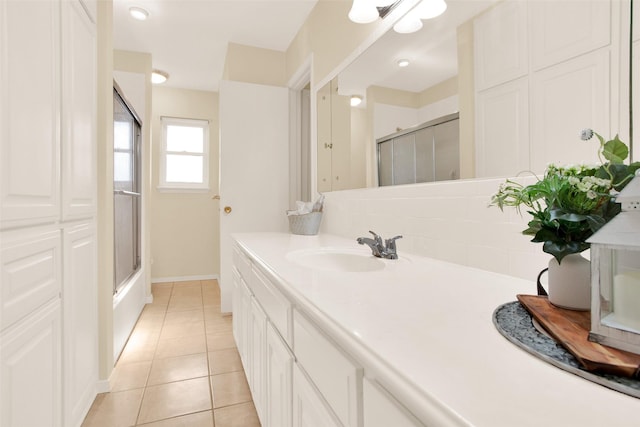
336, 259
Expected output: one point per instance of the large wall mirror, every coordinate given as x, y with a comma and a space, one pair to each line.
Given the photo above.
524, 76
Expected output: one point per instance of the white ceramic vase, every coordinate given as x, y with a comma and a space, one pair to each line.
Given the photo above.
570, 282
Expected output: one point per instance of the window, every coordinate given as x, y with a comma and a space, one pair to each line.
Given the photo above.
184, 163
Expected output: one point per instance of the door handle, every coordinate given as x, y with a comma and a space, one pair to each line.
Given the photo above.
227, 209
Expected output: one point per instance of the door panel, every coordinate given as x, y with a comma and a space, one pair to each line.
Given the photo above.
254, 167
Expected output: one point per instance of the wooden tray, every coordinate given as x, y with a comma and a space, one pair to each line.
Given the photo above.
571, 329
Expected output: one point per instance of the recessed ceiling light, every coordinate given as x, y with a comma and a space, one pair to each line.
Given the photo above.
403, 62
158, 77
356, 100
138, 13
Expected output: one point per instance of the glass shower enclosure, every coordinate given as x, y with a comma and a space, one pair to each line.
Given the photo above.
126, 190
424, 153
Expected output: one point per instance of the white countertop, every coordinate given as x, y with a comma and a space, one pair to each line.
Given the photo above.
428, 324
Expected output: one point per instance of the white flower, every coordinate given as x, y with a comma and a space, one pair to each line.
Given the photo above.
574, 180
584, 186
586, 134
591, 195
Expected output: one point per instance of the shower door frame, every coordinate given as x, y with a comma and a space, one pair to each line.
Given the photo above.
135, 195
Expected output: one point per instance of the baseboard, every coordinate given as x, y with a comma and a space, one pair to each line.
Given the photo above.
185, 278
102, 386
149, 299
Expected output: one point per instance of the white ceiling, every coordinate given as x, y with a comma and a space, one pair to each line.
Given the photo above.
188, 38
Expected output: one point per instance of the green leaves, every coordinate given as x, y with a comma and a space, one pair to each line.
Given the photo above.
615, 151
572, 202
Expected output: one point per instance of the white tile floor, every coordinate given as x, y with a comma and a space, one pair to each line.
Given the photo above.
180, 366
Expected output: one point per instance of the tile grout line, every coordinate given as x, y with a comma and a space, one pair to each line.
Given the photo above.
146, 382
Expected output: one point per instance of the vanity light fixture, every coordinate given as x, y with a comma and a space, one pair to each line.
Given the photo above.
366, 11
410, 23
356, 100
138, 13
426, 9
403, 63
158, 77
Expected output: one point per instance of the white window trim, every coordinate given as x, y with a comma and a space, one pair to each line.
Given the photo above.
187, 187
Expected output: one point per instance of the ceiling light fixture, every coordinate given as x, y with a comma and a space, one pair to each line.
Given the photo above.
158, 77
356, 100
138, 13
403, 63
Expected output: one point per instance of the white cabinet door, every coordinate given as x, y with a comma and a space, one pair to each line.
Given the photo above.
565, 99
237, 318
382, 410
80, 319
241, 323
278, 365
29, 111
257, 346
31, 272
562, 29
501, 44
30, 358
309, 410
78, 112
502, 129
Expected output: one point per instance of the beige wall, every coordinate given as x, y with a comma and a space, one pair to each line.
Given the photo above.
255, 65
330, 36
466, 100
184, 226
105, 187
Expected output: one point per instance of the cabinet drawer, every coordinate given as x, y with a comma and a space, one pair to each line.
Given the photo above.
242, 263
30, 270
334, 374
276, 306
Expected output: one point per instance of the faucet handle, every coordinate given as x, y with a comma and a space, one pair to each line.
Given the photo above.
376, 237
391, 247
391, 243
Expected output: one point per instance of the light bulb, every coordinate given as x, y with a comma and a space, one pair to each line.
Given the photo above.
410, 23
428, 9
403, 63
158, 77
356, 100
363, 12
138, 13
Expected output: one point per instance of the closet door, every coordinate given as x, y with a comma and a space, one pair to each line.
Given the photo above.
78, 113
30, 382
29, 112
80, 321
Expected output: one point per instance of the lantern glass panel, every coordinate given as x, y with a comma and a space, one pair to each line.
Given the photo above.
620, 289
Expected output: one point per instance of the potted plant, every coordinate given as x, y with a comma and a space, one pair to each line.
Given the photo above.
567, 206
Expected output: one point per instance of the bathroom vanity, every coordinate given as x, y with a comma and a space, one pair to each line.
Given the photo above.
331, 336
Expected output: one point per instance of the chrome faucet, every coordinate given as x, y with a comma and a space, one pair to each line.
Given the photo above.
378, 248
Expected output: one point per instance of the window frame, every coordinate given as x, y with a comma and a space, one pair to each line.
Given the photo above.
163, 185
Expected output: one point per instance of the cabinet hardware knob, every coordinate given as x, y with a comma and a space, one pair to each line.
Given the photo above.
227, 209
